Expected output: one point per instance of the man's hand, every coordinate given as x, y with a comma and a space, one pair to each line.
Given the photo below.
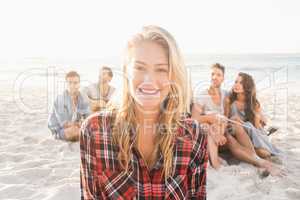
219, 139
67, 124
222, 140
96, 105
217, 133
72, 133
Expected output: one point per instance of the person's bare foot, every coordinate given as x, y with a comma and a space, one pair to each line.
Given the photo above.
271, 168
223, 162
216, 164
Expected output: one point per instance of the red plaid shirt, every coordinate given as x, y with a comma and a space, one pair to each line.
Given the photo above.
103, 178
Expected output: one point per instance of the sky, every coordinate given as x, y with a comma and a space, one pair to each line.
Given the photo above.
95, 29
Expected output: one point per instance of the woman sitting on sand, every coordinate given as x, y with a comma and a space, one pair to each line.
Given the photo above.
146, 148
247, 139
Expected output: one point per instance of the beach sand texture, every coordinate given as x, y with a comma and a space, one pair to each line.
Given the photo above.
35, 166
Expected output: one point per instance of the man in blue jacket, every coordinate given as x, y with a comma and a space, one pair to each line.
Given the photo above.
68, 111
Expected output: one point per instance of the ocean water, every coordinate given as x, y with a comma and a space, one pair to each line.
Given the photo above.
277, 75
269, 71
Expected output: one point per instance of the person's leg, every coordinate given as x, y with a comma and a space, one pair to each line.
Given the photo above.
240, 152
263, 153
243, 138
243, 154
223, 127
217, 133
216, 139
213, 152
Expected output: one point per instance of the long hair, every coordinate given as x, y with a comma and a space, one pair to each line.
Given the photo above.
176, 103
251, 101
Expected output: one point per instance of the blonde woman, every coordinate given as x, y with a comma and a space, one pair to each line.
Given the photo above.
147, 148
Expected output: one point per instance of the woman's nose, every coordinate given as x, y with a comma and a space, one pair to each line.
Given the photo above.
149, 77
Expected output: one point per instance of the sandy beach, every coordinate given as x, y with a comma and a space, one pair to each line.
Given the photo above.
35, 166
160, 48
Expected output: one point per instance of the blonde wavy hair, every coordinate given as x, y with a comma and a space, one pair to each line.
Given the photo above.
176, 103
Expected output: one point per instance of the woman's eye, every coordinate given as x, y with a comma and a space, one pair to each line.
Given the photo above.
162, 70
139, 68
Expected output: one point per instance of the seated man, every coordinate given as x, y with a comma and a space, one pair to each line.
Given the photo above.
207, 108
68, 111
99, 94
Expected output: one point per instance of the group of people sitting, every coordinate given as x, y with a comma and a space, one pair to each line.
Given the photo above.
158, 141
74, 104
234, 118
234, 121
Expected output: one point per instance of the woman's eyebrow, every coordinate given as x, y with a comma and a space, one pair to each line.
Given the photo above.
140, 62
158, 64
162, 64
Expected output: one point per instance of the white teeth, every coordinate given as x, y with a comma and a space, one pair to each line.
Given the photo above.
147, 91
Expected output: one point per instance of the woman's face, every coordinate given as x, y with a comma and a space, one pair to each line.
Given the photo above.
238, 86
148, 73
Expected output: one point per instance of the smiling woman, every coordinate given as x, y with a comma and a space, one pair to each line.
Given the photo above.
150, 82
147, 147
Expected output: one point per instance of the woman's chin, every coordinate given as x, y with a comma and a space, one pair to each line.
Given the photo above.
149, 106
236, 91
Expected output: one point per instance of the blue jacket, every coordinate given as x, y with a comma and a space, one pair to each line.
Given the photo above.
62, 112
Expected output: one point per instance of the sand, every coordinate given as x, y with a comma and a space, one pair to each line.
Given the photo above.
35, 166
32, 164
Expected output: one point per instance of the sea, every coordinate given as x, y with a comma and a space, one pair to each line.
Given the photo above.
279, 72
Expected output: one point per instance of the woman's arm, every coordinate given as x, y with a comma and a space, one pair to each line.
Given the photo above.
259, 120
226, 107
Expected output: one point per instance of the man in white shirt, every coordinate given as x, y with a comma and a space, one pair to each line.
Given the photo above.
207, 108
99, 94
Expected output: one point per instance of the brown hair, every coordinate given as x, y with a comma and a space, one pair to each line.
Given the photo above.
219, 66
110, 73
72, 74
251, 101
